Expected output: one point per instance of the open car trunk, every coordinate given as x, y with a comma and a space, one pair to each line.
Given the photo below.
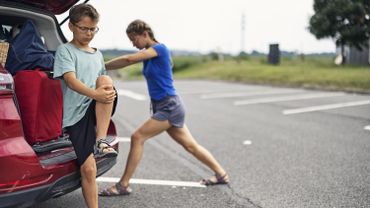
36, 170
13, 18
53, 6
13, 15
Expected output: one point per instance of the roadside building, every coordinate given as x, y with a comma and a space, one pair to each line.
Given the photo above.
355, 56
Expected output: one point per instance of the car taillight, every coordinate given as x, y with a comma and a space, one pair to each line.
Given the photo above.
6, 82
10, 121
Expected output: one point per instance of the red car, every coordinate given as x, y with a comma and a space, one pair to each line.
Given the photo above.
31, 173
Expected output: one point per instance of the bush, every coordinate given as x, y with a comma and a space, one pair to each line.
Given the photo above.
184, 62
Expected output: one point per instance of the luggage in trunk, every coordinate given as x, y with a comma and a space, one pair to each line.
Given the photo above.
40, 102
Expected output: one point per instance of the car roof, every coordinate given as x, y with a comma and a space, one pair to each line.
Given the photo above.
54, 6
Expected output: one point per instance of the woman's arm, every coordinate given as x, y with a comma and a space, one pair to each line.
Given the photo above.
129, 59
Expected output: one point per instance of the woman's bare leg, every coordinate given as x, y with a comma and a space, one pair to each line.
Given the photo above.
148, 130
184, 137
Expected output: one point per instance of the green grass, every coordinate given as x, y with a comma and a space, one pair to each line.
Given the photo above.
312, 72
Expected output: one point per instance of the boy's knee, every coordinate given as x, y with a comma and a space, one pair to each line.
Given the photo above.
88, 170
104, 80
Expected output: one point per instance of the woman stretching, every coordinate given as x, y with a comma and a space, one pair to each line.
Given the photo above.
167, 108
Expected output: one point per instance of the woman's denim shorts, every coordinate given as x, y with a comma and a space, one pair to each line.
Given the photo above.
169, 108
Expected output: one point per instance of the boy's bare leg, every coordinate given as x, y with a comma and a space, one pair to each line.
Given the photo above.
88, 181
103, 110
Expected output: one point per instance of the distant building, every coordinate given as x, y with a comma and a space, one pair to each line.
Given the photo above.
274, 54
355, 56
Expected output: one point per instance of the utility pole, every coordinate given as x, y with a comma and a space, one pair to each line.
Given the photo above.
242, 40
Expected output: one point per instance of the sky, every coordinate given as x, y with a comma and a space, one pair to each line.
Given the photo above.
211, 25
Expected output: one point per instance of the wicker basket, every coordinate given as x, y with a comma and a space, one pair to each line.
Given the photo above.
4, 47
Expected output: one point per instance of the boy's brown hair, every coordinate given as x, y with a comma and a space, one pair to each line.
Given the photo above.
82, 10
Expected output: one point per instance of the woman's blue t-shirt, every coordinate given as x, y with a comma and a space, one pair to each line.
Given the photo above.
158, 73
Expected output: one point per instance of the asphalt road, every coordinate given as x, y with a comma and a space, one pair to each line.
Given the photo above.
282, 147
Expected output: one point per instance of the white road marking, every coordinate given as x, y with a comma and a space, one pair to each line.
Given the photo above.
286, 98
245, 94
153, 182
196, 92
325, 107
131, 94
367, 127
123, 139
247, 142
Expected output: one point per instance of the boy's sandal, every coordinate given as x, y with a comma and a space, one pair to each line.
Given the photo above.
104, 149
120, 190
219, 180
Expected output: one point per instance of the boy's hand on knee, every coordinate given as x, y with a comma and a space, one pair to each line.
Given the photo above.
105, 94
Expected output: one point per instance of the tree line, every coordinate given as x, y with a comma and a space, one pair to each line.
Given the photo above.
347, 22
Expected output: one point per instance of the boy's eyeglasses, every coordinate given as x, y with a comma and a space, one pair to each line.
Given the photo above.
86, 29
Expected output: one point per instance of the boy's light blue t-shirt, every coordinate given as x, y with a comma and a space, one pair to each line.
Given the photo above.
88, 67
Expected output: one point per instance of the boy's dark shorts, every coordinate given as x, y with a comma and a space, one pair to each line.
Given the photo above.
83, 133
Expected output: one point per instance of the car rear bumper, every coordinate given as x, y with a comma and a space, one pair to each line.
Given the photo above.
60, 187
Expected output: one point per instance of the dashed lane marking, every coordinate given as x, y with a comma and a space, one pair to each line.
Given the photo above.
286, 98
131, 94
246, 94
153, 182
367, 128
196, 92
123, 139
325, 107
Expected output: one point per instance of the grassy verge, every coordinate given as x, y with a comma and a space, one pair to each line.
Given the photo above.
313, 72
